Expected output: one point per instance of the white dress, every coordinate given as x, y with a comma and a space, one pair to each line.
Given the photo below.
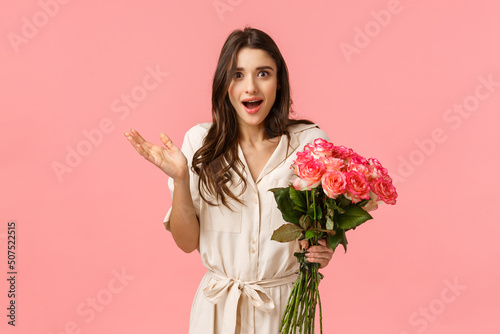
249, 276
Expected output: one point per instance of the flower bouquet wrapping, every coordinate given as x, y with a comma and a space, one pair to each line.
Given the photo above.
334, 191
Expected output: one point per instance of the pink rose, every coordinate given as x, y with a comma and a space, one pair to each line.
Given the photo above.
377, 170
361, 169
332, 163
311, 172
385, 190
333, 183
323, 148
302, 157
357, 186
342, 152
320, 148
300, 184
309, 148
357, 159
371, 205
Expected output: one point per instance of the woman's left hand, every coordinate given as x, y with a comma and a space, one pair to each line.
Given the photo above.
318, 254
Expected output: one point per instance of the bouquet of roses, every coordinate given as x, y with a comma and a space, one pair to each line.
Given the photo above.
334, 190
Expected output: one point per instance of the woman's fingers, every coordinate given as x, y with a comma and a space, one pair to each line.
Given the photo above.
132, 140
320, 254
317, 254
143, 142
168, 158
137, 136
138, 139
322, 259
140, 148
166, 141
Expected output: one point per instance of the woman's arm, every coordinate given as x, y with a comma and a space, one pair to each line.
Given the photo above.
184, 224
171, 160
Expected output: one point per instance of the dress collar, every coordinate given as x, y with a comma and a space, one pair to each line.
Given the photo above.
280, 154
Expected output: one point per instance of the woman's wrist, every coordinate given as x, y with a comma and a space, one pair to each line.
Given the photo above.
182, 180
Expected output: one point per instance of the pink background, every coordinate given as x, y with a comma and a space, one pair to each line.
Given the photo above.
391, 98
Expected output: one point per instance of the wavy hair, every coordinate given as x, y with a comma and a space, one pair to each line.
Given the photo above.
218, 155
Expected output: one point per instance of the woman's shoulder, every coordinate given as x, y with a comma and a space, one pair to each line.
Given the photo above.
200, 127
307, 132
198, 131
300, 127
193, 138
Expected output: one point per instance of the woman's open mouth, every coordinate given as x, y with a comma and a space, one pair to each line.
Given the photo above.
252, 105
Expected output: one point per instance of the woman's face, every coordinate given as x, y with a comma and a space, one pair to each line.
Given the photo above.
252, 91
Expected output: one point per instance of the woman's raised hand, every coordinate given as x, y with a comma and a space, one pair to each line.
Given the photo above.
169, 159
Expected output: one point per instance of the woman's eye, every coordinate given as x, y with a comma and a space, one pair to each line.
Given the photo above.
263, 74
238, 75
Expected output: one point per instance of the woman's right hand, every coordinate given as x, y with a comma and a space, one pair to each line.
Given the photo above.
169, 159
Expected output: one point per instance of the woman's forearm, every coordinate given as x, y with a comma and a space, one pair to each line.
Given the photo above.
184, 224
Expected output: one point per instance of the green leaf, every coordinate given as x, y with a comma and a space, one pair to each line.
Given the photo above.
319, 212
337, 239
285, 205
343, 202
352, 217
310, 213
333, 240
329, 232
311, 234
274, 190
332, 206
362, 203
298, 199
287, 233
329, 212
305, 222
329, 223
339, 209
344, 241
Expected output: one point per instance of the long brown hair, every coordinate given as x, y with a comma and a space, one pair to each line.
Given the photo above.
218, 155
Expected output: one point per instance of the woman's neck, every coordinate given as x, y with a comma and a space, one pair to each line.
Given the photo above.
252, 135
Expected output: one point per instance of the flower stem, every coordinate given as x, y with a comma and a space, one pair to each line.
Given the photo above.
297, 300
300, 311
314, 208
320, 312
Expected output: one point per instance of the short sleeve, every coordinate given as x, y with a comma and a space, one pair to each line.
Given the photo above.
193, 139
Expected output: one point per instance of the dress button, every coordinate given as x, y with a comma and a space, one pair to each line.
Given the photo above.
253, 251
256, 200
253, 241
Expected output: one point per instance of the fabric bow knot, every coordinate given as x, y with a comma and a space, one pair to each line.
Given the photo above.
231, 290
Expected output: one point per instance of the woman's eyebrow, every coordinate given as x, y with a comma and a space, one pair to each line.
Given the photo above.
258, 68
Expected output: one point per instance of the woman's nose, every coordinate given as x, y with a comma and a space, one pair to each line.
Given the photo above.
251, 86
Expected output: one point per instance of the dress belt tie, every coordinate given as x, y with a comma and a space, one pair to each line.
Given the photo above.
231, 289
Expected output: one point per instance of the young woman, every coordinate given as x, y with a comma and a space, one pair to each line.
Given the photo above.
221, 205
